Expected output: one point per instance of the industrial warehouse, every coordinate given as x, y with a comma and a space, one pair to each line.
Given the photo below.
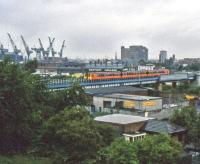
127, 104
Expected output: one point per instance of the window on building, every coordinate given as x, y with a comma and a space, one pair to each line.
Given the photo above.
107, 104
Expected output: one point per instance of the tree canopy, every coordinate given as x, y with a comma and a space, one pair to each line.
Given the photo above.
119, 152
158, 149
20, 94
190, 119
151, 150
31, 65
72, 136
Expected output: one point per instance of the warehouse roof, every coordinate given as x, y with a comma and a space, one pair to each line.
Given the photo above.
157, 126
131, 97
110, 90
121, 119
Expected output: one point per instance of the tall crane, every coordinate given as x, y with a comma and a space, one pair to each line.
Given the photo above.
61, 50
50, 48
28, 51
37, 51
3, 51
16, 51
42, 50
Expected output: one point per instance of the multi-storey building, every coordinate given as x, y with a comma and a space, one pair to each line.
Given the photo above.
162, 56
134, 54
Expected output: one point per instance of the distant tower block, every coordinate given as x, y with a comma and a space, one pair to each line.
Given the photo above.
115, 55
134, 54
162, 56
173, 57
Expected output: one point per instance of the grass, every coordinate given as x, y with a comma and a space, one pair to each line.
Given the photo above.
19, 159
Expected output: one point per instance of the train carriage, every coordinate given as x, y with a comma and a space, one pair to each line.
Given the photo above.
126, 75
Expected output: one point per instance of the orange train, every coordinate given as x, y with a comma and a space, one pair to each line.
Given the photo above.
126, 75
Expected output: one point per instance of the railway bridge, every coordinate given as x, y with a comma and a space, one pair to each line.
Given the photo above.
59, 83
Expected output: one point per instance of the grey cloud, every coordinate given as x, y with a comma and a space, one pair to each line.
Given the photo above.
98, 28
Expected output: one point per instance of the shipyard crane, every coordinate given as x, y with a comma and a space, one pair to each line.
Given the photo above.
16, 51
61, 50
3, 51
37, 51
44, 53
28, 51
51, 46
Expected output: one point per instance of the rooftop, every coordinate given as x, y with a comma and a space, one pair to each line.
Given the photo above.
158, 126
121, 119
111, 90
131, 97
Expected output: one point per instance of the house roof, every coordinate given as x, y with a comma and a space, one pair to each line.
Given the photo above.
121, 119
159, 126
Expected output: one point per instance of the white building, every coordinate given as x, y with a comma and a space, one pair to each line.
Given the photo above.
147, 67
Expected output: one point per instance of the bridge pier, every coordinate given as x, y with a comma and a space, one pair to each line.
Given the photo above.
174, 84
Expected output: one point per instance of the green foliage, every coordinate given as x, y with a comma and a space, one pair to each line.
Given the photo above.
74, 96
26, 104
31, 65
183, 87
23, 160
119, 152
190, 119
151, 150
20, 94
158, 149
167, 88
107, 133
184, 117
72, 136
192, 67
194, 90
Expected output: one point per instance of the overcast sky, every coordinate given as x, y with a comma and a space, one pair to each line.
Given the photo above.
98, 28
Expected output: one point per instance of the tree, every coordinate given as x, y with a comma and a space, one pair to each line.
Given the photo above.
151, 150
158, 149
73, 96
107, 132
190, 119
184, 117
72, 136
31, 65
20, 93
119, 152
